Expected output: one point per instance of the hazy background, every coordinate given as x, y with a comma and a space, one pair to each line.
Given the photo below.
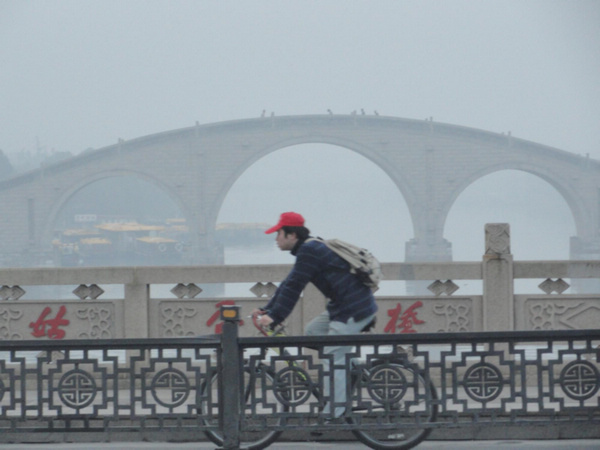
82, 74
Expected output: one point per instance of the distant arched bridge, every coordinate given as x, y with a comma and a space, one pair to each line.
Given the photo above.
430, 163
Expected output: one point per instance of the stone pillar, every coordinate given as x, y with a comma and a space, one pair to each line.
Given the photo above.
498, 284
136, 310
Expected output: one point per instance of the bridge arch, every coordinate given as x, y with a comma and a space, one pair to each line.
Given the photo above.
349, 145
341, 193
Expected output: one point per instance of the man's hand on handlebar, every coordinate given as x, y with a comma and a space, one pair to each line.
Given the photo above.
265, 323
262, 318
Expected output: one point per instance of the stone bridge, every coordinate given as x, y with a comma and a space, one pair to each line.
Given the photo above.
430, 163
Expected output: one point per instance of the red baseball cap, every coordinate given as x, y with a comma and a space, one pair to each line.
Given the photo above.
287, 219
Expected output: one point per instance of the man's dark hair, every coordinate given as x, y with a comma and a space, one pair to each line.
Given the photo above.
302, 233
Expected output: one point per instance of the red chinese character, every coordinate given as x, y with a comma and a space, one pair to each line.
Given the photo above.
404, 322
212, 319
39, 327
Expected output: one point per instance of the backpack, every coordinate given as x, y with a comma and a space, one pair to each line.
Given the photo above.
362, 262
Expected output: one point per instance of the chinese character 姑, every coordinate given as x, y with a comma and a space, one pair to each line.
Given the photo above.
54, 332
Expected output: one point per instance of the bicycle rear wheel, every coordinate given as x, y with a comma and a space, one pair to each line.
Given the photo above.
260, 412
394, 403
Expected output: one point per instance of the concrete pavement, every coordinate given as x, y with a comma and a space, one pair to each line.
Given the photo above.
561, 444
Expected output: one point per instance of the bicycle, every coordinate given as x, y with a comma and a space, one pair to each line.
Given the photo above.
392, 399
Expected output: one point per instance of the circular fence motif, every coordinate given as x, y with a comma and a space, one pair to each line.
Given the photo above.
483, 382
580, 380
386, 384
77, 388
292, 386
170, 387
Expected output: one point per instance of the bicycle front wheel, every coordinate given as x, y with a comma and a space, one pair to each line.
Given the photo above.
394, 404
260, 411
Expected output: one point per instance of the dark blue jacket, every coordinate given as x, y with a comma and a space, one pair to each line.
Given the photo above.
316, 263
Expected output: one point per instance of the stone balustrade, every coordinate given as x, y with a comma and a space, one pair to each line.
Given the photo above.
183, 301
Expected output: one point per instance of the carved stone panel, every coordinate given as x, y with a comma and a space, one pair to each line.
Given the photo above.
200, 317
61, 319
428, 315
569, 312
188, 318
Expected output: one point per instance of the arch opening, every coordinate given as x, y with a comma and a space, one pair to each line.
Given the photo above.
541, 222
119, 220
340, 193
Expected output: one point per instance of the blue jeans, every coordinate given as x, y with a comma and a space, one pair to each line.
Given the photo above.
322, 325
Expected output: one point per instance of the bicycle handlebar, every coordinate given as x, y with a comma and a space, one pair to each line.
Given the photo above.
269, 330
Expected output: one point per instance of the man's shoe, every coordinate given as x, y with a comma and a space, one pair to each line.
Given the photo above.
334, 420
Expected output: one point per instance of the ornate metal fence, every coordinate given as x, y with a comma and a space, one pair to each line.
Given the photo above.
491, 378
190, 386
106, 386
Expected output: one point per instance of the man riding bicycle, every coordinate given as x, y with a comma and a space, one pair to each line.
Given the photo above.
350, 306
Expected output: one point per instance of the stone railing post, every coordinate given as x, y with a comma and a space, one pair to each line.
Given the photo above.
136, 310
230, 379
498, 283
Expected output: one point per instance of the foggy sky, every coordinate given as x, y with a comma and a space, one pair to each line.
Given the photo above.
83, 73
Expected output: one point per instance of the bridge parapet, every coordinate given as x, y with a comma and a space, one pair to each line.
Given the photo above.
177, 301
